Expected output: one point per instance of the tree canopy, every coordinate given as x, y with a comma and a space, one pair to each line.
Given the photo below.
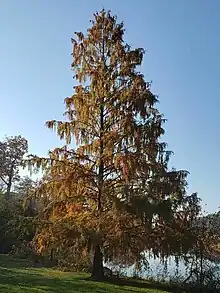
12, 151
109, 189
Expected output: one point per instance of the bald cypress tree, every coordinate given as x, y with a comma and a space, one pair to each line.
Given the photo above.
113, 193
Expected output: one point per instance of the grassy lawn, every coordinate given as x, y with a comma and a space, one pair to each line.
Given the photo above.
16, 277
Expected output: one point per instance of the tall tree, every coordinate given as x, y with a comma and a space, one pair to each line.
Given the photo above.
113, 192
12, 151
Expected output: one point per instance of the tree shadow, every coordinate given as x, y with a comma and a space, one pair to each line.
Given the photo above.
18, 276
33, 280
145, 285
8, 261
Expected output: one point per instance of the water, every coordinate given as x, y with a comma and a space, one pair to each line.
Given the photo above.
160, 271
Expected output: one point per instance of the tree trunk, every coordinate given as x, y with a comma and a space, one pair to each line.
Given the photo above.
201, 268
97, 269
51, 254
9, 184
8, 191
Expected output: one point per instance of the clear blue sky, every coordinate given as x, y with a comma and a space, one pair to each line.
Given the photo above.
182, 41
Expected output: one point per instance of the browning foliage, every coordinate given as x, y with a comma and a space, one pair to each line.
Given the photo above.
114, 189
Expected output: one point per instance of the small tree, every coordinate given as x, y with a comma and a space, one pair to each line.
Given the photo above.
12, 151
113, 193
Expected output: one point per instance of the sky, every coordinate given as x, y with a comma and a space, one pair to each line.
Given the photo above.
182, 43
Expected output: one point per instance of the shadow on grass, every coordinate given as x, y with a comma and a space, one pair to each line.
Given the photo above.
26, 280
8, 261
32, 281
17, 277
145, 285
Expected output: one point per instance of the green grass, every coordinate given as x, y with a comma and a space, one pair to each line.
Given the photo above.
18, 277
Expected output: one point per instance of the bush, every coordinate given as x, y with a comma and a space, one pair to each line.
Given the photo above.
68, 260
23, 251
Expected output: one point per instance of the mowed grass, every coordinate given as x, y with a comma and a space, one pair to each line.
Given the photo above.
18, 277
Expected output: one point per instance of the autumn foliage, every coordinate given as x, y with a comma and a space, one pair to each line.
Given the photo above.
108, 190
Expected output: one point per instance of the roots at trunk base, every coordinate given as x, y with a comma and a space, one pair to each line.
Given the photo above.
97, 269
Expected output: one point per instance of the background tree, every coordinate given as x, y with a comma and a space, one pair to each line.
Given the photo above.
17, 223
113, 194
203, 258
12, 151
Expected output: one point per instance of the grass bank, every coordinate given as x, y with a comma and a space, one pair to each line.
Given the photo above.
17, 276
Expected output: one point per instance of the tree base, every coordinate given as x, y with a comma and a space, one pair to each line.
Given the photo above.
97, 269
